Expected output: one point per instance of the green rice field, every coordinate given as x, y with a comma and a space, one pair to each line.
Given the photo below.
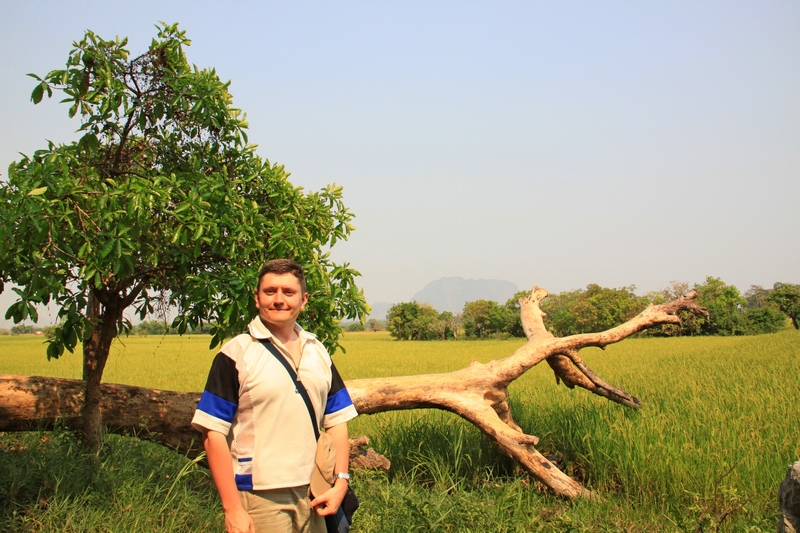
719, 425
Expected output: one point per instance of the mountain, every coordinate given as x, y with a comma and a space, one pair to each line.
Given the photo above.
450, 294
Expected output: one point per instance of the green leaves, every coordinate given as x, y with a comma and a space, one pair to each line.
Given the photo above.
725, 306
592, 309
412, 321
161, 203
89, 143
38, 91
787, 297
22, 310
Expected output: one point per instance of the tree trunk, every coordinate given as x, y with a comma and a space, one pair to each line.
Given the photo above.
478, 393
30, 403
95, 355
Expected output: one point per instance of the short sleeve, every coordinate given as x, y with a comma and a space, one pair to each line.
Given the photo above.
220, 399
339, 407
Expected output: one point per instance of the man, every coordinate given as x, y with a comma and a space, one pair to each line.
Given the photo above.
256, 429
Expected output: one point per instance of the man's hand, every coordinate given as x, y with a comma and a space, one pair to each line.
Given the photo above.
328, 502
238, 521
331, 499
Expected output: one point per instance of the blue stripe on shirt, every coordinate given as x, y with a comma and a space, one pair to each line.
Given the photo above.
338, 401
244, 481
217, 407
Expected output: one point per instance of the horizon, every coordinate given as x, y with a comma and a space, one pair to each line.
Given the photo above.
52, 313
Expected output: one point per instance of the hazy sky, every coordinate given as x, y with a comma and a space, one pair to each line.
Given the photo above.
548, 143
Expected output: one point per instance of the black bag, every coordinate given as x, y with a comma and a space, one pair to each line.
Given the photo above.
340, 522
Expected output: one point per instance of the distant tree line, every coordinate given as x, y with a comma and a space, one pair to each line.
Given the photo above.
23, 329
161, 327
373, 324
597, 308
148, 327
757, 311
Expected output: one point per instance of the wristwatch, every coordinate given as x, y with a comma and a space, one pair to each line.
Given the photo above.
343, 475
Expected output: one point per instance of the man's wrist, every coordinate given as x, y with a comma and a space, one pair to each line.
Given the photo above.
234, 507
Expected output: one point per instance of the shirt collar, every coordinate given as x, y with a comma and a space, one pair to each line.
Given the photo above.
260, 332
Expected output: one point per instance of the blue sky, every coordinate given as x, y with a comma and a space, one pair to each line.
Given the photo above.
548, 143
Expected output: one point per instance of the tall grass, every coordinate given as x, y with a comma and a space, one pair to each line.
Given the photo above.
718, 427
47, 484
716, 432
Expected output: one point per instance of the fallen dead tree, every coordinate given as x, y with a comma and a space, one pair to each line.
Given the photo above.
478, 393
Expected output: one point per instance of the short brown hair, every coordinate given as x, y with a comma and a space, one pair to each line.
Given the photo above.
283, 266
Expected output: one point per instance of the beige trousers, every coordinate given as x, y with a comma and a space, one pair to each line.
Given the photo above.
282, 511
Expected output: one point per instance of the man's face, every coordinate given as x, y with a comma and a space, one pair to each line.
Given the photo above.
279, 299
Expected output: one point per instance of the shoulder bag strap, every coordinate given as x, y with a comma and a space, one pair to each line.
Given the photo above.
297, 383
339, 522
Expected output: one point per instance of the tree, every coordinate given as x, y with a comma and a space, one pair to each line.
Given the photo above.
48, 331
764, 320
594, 309
162, 200
483, 318
787, 297
23, 329
725, 306
762, 315
454, 323
478, 393
476, 318
204, 328
603, 308
756, 297
373, 324
152, 327
675, 290
446, 326
730, 313
559, 313
411, 321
